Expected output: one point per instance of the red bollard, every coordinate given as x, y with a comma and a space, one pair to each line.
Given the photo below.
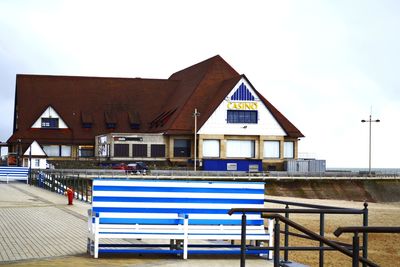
70, 195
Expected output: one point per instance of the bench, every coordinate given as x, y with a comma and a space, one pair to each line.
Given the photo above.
183, 214
13, 173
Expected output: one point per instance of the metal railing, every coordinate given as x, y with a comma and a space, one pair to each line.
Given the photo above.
310, 209
82, 186
361, 229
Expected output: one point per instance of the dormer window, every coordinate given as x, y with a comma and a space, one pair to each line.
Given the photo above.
50, 119
111, 125
87, 125
134, 120
51, 123
111, 121
87, 120
135, 126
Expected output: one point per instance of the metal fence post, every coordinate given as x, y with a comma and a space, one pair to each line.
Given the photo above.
356, 249
365, 234
243, 242
277, 231
321, 233
286, 252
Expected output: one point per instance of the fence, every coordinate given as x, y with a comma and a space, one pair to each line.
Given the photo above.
56, 182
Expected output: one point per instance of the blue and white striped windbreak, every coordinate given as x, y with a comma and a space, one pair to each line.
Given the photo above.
167, 202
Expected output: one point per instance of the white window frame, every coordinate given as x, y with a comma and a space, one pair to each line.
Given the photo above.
272, 149
235, 148
288, 150
211, 148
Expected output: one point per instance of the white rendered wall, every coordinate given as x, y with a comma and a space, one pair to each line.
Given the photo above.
217, 124
50, 113
42, 163
36, 150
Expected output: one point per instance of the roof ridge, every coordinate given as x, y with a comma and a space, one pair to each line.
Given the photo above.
88, 77
211, 61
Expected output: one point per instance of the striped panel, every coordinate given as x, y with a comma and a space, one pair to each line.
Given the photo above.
165, 202
173, 194
14, 173
180, 251
190, 184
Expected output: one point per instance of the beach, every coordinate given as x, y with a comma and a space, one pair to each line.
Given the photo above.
384, 249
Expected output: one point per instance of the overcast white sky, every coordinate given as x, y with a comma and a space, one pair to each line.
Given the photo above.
323, 64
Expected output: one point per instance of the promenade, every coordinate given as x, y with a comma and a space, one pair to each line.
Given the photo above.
38, 228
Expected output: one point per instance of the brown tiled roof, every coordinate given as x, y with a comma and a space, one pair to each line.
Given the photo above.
157, 105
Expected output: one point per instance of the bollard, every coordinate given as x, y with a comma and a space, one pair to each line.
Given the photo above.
70, 195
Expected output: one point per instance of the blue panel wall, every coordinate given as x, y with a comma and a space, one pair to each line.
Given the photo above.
222, 164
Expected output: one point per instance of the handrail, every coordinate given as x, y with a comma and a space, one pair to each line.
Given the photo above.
366, 229
306, 205
310, 211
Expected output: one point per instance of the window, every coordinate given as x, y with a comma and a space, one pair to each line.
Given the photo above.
211, 148
36, 163
50, 123
86, 151
87, 125
135, 126
288, 150
182, 148
87, 119
57, 151
111, 125
240, 149
157, 151
121, 150
271, 149
242, 116
139, 150
65, 151
52, 150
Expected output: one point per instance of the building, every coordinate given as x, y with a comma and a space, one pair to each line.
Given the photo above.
130, 119
34, 157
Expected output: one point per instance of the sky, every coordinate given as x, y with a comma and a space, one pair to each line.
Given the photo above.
326, 65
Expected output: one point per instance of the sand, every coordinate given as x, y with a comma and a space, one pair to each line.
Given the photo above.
384, 249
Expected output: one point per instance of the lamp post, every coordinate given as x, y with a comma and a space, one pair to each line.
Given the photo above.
370, 121
195, 115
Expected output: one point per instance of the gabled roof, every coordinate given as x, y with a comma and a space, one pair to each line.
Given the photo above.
157, 105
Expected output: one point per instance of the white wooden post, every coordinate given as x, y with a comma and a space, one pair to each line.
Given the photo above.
185, 236
271, 237
96, 236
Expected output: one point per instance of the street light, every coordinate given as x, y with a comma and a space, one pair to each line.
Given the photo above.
370, 122
195, 115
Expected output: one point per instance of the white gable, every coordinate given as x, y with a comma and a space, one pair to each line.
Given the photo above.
242, 97
50, 113
36, 150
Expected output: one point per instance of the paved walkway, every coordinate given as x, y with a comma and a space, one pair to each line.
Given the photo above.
38, 228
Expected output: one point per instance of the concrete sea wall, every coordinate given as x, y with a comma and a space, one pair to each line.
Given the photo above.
370, 190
